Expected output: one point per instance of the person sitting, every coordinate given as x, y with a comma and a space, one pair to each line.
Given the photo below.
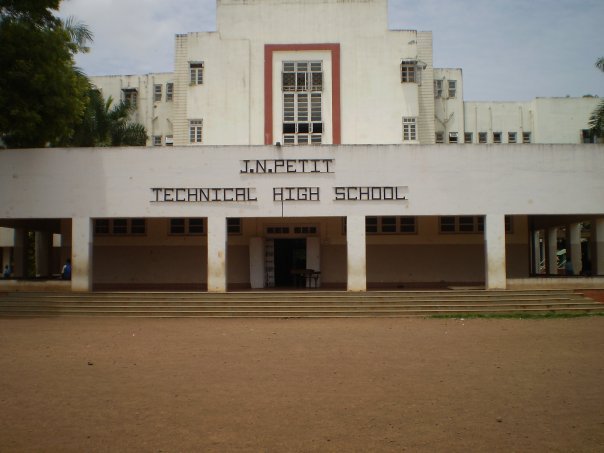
66, 271
7, 272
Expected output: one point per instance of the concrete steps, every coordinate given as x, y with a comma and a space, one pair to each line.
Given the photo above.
294, 304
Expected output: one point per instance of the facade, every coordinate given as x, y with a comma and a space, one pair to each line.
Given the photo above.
327, 143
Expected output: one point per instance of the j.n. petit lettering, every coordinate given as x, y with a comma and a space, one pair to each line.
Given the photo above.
203, 195
287, 166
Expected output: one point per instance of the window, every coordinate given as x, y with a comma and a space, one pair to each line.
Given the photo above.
452, 88
169, 91
234, 225
302, 85
186, 226
468, 137
453, 136
496, 137
438, 88
156, 93
468, 224
157, 140
482, 137
407, 225
511, 137
195, 131
440, 137
409, 129
196, 72
587, 136
169, 140
371, 224
526, 137
120, 226
130, 96
409, 71
390, 225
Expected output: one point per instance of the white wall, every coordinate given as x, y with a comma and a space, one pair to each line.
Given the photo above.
441, 180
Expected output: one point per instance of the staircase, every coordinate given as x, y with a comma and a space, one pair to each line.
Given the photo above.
299, 304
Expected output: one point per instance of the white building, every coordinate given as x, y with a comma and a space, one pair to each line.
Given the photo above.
387, 206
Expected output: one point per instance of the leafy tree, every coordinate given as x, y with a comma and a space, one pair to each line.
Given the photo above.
596, 120
104, 125
42, 93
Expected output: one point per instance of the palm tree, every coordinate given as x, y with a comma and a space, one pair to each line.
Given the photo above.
104, 125
596, 120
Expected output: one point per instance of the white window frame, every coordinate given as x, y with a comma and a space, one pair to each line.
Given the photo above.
302, 86
157, 140
453, 137
468, 137
497, 137
409, 129
483, 137
196, 72
438, 88
169, 141
452, 88
526, 137
439, 137
512, 137
410, 72
169, 91
196, 131
157, 92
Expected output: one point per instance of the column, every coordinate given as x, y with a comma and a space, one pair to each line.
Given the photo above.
19, 253
575, 247
257, 273
598, 260
313, 260
81, 254
552, 251
217, 241
494, 232
356, 253
537, 252
6, 257
43, 251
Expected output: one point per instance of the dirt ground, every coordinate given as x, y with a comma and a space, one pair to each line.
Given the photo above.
192, 385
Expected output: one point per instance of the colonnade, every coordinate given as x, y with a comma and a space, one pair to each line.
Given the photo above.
546, 253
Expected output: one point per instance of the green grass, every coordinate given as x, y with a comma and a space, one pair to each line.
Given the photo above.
517, 315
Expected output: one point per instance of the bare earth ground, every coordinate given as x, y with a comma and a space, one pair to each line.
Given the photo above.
99, 384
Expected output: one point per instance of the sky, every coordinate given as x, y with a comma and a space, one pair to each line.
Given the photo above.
509, 50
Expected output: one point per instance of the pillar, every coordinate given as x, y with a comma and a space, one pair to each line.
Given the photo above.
257, 272
537, 252
43, 253
494, 233
217, 241
313, 257
81, 254
552, 251
356, 253
575, 247
19, 253
598, 260
6, 257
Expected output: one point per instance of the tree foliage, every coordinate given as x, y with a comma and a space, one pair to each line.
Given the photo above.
42, 93
596, 120
106, 125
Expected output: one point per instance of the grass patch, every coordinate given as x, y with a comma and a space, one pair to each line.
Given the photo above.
518, 315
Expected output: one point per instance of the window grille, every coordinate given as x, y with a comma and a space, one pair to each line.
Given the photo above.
196, 73
157, 93
409, 129
302, 85
438, 88
409, 71
195, 131
169, 91
452, 88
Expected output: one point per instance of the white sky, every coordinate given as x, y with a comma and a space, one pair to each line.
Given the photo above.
508, 49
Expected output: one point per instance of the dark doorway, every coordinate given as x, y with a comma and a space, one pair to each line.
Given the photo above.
290, 255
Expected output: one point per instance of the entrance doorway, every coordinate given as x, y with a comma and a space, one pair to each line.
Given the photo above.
290, 255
